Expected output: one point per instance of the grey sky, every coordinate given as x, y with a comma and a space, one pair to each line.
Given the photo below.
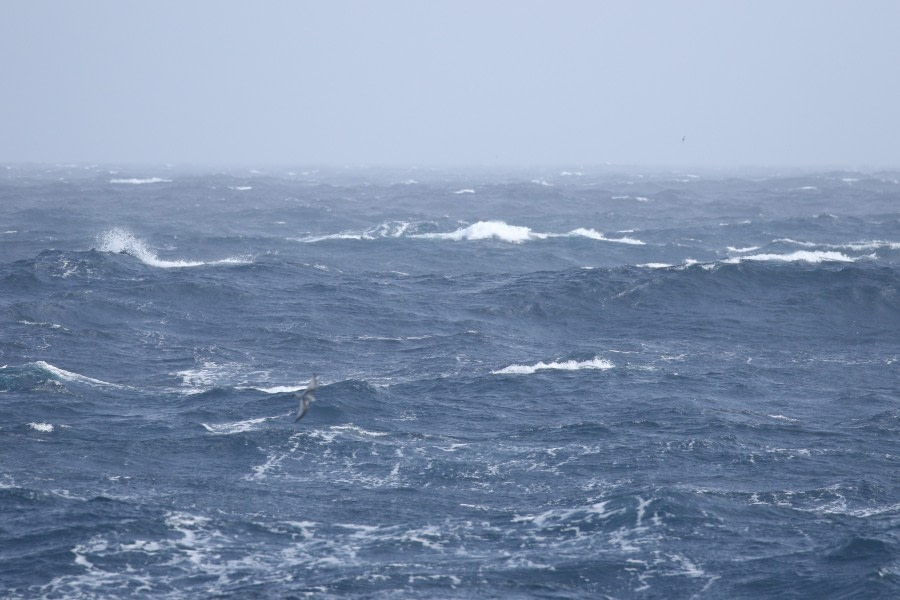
451, 82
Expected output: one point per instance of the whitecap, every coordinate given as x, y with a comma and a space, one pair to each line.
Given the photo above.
465, 191
594, 235
42, 427
655, 265
783, 418
121, 240
868, 245
388, 229
798, 256
237, 426
240, 188
212, 374
277, 389
70, 376
795, 242
570, 365
357, 430
484, 230
42, 324
742, 250
136, 181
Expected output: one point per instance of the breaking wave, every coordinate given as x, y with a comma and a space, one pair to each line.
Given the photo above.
123, 241
569, 365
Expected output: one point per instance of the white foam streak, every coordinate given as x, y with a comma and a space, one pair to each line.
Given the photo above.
570, 365
238, 426
135, 181
392, 229
277, 389
42, 427
594, 235
869, 245
516, 234
799, 256
69, 376
795, 242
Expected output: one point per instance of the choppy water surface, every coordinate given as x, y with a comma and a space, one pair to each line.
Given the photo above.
551, 384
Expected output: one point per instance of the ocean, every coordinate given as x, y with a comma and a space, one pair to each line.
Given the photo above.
592, 383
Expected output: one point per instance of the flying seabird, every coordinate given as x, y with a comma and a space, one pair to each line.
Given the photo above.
305, 398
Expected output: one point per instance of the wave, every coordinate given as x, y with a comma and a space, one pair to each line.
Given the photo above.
485, 230
122, 241
237, 426
798, 256
867, 245
388, 229
135, 181
855, 246
590, 233
33, 375
569, 365
516, 234
73, 377
277, 389
481, 230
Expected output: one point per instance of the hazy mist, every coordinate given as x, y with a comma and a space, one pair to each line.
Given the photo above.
451, 82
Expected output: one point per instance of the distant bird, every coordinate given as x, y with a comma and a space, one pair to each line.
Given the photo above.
305, 398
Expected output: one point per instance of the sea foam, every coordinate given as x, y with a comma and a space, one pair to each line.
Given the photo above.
70, 376
136, 181
799, 256
569, 365
516, 234
485, 230
594, 235
121, 240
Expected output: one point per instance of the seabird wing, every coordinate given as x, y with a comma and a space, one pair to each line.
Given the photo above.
304, 408
305, 398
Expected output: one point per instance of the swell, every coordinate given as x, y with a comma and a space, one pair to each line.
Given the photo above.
749, 294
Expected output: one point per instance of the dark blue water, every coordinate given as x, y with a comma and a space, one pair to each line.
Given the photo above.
615, 384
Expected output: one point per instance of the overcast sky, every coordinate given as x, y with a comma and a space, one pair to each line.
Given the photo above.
460, 82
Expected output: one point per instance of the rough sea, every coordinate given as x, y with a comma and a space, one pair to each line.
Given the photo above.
608, 383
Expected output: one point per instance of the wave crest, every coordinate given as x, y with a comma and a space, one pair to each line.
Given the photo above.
569, 365
122, 241
798, 256
485, 230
